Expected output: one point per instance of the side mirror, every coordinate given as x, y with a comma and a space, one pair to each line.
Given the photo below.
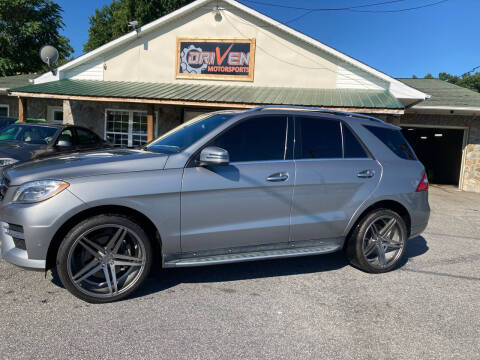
213, 155
64, 143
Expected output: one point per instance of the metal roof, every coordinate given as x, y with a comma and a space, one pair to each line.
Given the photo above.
444, 94
228, 94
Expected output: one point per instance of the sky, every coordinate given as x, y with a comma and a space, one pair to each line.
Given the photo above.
440, 38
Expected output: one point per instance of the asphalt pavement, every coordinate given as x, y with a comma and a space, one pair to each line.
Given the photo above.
315, 307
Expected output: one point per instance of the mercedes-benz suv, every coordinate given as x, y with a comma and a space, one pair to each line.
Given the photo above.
269, 182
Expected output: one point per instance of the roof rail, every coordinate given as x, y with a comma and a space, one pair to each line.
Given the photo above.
317, 109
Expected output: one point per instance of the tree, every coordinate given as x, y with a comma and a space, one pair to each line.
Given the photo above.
111, 21
470, 81
428, 76
26, 26
414, 76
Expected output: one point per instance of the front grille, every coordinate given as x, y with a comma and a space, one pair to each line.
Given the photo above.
4, 184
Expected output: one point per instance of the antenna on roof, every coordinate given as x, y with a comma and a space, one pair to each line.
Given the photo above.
49, 56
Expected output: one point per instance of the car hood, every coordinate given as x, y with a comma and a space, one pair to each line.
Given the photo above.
69, 166
19, 150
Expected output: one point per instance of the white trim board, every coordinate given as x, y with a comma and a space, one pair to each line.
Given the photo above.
397, 88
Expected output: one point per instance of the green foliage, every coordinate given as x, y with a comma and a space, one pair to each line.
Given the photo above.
26, 26
414, 76
111, 21
428, 76
470, 81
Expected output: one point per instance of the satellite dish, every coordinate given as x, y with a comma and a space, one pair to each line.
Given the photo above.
49, 55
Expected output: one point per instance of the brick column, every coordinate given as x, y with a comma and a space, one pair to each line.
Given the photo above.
67, 112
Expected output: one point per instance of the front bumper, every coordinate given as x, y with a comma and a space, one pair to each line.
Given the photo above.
40, 222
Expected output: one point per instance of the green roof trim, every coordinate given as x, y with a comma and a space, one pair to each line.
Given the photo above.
444, 94
230, 94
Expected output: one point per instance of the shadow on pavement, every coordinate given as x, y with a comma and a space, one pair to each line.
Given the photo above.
162, 279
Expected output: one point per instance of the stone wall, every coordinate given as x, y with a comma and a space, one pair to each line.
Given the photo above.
36, 108
12, 104
92, 114
471, 158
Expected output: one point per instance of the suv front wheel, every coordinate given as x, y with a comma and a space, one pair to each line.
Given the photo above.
378, 242
104, 258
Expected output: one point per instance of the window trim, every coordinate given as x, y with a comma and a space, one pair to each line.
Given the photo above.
8, 108
191, 162
130, 124
52, 110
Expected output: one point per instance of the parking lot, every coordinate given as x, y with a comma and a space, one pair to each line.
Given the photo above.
314, 307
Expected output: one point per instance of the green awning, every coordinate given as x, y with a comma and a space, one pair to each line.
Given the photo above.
228, 94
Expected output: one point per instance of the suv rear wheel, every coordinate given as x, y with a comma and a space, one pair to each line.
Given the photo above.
104, 258
378, 242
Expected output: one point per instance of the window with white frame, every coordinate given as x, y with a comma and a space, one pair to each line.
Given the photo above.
56, 114
126, 128
4, 110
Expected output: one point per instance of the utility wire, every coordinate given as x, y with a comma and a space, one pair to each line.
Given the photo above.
400, 10
348, 8
323, 9
468, 72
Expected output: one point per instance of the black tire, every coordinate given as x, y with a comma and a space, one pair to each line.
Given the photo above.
134, 234
355, 247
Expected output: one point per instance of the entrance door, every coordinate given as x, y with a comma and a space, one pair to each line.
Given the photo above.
333, 178
246, 203
439, 150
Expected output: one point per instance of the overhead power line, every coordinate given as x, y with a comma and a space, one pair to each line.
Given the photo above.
348, 8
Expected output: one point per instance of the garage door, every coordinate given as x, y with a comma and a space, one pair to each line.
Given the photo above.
440, 150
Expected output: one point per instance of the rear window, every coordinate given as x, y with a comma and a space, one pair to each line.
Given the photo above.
394, 140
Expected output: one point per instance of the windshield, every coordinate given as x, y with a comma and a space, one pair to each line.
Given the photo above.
186, 134
30, 134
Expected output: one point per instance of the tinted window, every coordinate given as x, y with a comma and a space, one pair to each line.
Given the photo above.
394, 140
351, 146
319, 138
28, 133
186, 134
66, 136
85, 137
255, 139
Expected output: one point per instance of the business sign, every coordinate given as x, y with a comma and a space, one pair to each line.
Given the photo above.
218, 59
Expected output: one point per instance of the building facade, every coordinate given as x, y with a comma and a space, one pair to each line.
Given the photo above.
212, 55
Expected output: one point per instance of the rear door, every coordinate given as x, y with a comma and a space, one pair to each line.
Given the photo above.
246, 203
334, 175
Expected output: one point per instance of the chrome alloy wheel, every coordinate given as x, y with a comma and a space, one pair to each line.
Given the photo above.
106, 261
383, 242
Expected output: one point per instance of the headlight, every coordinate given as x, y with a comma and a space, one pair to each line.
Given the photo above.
7, 161
36, 191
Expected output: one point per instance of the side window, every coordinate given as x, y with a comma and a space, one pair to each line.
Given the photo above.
255, 139
86, 137
319, 138
66, 136
351, 146
394, 140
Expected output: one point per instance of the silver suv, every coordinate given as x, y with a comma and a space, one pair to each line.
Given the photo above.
270, 182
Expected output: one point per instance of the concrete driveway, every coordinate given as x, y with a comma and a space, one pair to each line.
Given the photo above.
306, 308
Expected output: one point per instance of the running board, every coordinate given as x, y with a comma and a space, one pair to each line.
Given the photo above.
251, 256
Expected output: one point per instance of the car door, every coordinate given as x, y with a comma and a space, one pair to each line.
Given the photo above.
334, 175
246, 203
88, 140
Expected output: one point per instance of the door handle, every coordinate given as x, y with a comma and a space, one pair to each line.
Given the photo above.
366, 173
281, 176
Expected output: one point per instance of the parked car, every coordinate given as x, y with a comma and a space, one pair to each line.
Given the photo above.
23, 142
5, 121
229, 186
